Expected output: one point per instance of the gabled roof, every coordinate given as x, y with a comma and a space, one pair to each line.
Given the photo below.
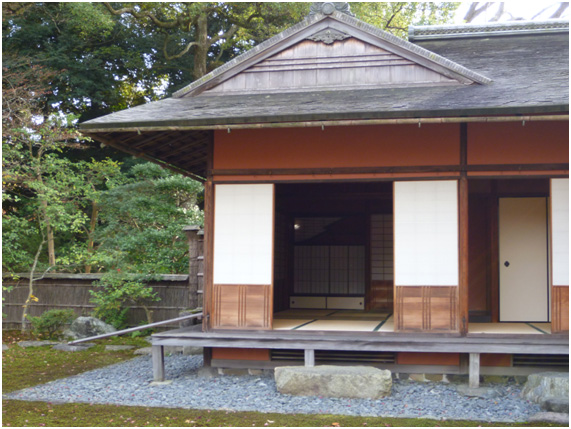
529, 69
342, 25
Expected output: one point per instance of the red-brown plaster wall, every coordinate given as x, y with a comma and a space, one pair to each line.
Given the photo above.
359, 146
514, 143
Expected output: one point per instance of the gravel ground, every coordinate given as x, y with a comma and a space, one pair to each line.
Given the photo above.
128, 383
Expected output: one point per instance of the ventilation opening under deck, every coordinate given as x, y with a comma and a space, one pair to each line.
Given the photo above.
554, 361
336, 357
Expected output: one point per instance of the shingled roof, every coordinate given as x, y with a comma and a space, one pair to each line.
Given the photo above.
512, 68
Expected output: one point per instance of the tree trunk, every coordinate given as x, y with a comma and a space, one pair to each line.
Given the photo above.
201, 49
92, 225
31, 297
49, 235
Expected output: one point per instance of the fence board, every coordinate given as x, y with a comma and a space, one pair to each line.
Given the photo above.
72, 291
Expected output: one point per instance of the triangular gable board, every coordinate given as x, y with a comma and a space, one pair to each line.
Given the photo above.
327, 52
329, 63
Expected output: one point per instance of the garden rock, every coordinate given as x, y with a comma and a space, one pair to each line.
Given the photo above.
25, 344
334, 381
556, 418
84, 327
557, 405
4, 347
545, 385
77, 348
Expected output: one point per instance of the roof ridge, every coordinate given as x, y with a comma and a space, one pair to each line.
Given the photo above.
425, 32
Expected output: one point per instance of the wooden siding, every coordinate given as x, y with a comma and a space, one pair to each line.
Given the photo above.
315, 65
560, 309
242, 307
426, 309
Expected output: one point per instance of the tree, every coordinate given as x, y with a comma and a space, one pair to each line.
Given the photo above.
206, 30
142, 221
395, 17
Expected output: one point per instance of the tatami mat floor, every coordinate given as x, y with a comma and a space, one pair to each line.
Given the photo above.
381, 321
332, 320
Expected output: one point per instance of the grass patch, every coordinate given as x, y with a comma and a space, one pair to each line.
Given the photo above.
27, 367
17, 413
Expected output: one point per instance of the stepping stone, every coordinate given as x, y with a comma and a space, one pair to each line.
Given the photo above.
118, 348
334, 381
78, 348
557, 418
26, 344
143, 351
4, 347
477, 392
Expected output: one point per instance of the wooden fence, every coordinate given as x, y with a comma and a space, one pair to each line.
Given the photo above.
177, 292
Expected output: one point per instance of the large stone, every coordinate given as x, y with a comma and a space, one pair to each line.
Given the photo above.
84, 327
544, 385
556, 418
557, 405
334, 381
118, 348
477, 392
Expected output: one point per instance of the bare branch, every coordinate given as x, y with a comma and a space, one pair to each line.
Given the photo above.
140, 15
499, 13
562, 8
474, 11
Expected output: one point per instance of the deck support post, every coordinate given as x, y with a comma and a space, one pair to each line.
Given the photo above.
158, 358
309, 357
474, 377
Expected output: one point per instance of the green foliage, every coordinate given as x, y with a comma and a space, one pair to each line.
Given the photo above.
395, 17
50, 323
115, 292
142, 221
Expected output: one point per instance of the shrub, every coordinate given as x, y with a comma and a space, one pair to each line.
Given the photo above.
114, 293
50, 323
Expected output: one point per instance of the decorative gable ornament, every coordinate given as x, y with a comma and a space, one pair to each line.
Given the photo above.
327, 8
328, 36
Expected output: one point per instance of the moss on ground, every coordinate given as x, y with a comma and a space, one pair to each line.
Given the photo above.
27, 367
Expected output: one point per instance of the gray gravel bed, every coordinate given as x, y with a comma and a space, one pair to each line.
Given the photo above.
128, 383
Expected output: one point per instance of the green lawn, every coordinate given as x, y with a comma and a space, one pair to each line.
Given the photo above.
27, 367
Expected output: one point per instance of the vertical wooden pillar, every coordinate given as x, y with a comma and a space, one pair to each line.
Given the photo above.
193, 253
208, 244
158, 359
463, 312
208, 255
474, 376
309, 358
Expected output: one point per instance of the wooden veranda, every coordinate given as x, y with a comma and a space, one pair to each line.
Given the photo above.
309, 341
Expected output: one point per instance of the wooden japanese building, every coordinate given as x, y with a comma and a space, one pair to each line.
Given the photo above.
378, 200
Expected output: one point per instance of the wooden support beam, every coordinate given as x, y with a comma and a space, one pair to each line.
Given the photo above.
158, 359
474, 375
309, 357
463, 308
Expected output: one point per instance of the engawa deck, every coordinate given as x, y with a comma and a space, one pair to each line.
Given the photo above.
474, 344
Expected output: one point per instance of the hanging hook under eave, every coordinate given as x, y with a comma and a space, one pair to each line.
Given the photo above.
228, 130
419, 123
523, 123
322, 127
